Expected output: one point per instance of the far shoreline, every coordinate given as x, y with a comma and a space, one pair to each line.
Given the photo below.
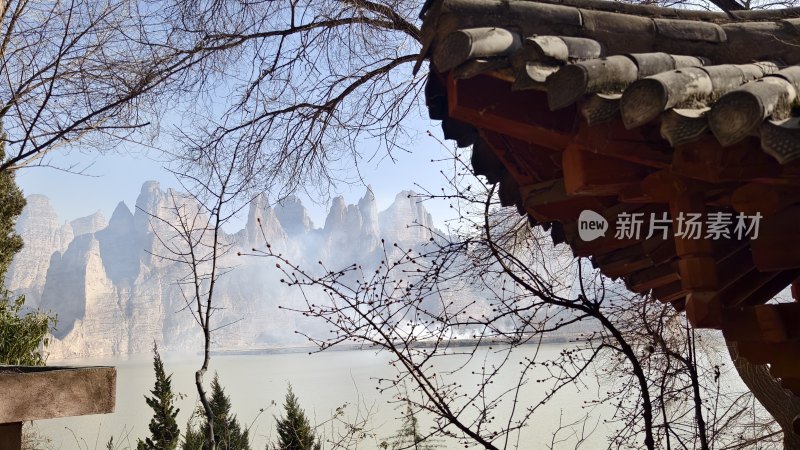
566, 338
562, 338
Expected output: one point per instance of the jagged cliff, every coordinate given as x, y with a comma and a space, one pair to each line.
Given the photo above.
113, 295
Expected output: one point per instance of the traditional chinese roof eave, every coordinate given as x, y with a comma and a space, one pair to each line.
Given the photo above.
745, 36
617, 108
435, 7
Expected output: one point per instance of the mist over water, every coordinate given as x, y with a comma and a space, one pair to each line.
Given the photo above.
323, 382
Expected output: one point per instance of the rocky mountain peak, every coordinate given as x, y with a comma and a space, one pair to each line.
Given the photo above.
260, 210
150, 196
39, 205
113, 297
151, 201
43, 235
293, 216
406, 220
370, 225
40, 218
120, 246
89, 224
336, 215
368, 207
121, 216
256, 207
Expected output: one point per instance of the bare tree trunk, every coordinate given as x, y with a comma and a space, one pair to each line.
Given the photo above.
198, 381
698, 400
780, 403
189, 246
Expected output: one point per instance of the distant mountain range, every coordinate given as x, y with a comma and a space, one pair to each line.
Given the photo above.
112, 296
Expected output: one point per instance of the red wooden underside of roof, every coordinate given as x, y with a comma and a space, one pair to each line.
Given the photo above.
553, 165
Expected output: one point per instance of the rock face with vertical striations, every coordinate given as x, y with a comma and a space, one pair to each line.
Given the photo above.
293, 216
370, 227
113, 294
120, 259
406, 220
44, 236
263, 225
88, 224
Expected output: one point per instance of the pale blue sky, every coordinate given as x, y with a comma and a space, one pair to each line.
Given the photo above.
118, 176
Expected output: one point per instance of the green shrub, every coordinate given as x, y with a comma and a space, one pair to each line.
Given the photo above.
227, 431
164, 432
23, 338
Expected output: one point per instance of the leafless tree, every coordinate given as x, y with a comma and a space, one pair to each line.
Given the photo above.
308, 81
294, 85
664, 388
190, 234
83, 74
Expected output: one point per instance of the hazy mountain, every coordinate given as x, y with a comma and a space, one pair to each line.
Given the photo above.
406, 219
293, 216
44, 238
114, 295
88, 224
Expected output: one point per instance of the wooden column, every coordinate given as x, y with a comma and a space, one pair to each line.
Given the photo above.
696, 264
11, 436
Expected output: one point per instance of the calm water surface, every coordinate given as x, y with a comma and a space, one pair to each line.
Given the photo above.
322, 381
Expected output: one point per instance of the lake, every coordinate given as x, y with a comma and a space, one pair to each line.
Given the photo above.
256, 384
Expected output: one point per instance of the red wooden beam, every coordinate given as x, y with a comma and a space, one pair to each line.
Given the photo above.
489, 103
